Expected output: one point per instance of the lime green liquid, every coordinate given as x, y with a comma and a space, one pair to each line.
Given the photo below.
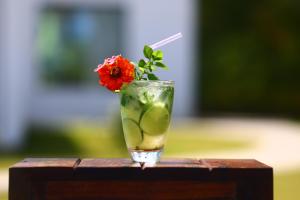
146, 108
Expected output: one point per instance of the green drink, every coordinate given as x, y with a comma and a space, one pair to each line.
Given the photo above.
146, 108
146, 102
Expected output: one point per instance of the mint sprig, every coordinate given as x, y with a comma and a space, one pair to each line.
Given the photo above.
145, 67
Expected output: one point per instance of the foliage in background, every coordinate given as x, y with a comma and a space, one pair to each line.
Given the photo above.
250, 57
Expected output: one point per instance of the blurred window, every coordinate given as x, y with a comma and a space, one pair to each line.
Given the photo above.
72, 41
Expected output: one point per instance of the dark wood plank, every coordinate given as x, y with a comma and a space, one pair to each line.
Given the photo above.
28, 177
46, 162
235, 163
90, 179
174, 163
160, 189
124, 169
121, 163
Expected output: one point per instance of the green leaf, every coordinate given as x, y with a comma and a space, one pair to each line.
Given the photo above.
157, 55
148, 51
153, 67
161, 65
152, 77
142, 69
125, 98
147, 66
142, 63
137, 74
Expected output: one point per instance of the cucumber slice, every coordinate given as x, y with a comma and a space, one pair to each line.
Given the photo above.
131, 112
132, 132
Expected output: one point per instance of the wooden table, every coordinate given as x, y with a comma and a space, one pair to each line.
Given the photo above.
181, 179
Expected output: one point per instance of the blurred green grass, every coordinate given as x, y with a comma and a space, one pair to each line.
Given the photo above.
287, 185
3, 196
82, 140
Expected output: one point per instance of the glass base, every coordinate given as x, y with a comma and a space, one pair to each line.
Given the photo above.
141, 156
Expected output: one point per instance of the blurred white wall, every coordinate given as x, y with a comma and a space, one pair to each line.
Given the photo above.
16, 68
25, 99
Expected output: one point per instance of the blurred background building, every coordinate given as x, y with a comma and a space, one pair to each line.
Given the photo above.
49, 49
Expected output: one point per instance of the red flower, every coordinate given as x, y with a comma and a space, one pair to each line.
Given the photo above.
114, 72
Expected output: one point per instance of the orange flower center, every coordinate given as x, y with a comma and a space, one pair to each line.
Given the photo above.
115, 72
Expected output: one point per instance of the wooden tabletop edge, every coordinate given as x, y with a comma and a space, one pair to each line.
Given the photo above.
77, 163
46, 163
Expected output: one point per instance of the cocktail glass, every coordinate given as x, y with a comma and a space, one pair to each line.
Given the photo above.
146, 108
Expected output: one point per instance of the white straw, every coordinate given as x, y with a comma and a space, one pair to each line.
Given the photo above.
166, 41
